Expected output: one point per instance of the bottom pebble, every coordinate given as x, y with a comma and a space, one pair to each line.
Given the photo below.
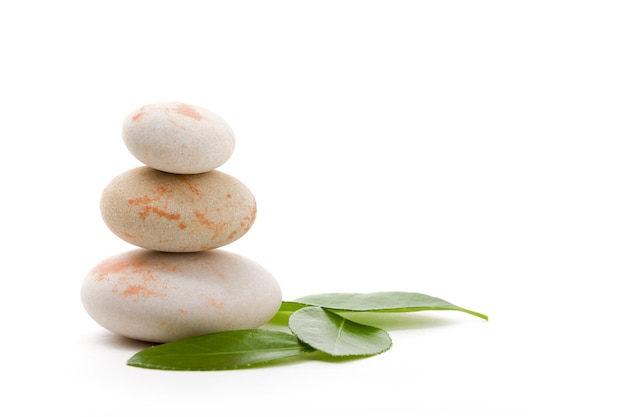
161, 296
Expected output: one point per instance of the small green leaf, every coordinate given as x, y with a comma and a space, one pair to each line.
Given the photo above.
336, 335
379, 302
219, 351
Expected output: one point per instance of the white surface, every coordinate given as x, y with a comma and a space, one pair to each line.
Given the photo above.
468, 150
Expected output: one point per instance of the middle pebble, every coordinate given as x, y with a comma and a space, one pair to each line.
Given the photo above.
177, 213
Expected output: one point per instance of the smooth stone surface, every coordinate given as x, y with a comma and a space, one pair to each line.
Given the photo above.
177, 213
161, 297
178, 138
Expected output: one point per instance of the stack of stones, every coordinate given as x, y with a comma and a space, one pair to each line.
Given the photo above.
178, 209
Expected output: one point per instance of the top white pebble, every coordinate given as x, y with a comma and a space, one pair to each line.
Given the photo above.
178, 138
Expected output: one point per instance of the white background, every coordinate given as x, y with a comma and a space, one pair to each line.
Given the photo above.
470, 150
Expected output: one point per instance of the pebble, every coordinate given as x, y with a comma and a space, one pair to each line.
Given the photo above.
177, 213
161, 297
178, 138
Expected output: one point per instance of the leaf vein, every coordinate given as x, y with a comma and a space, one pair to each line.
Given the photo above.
339, 331
232, 352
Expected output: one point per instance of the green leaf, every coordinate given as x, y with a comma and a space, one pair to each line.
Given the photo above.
336, 335
379, 302
219, 351
291, 306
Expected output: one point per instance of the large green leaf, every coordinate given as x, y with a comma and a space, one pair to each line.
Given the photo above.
376, 302
336, 335
219, 351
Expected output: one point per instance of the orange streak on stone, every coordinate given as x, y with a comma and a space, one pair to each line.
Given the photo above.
140, 291
140, 201
203, 220
188, 111
193, 187
145, 213
145, 199
131, 278
244, 225
109, 268
139, 114
216, 228
163, 213
149, 208
250, 219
